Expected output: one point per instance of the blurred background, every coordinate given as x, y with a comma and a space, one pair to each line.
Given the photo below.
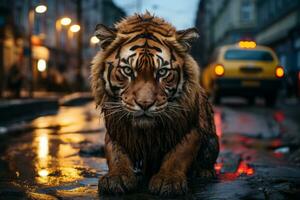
48, 45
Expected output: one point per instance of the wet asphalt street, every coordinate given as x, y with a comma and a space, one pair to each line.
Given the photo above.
60, 156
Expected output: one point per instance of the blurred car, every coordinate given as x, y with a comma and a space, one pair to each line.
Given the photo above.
244, 69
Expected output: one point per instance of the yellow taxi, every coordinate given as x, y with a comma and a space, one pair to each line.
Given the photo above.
243, 69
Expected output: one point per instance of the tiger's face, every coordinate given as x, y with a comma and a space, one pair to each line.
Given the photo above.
143, 74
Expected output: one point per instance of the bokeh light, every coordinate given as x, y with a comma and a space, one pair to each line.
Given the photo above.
75, 28
41, 65
65, 21
41, 9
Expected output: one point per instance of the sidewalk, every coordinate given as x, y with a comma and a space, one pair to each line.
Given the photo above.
17, 110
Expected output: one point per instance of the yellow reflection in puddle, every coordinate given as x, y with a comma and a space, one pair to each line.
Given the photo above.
65, 151
67, 120
59, 167
43, 149
43, 172
67, 160
72, 138
41, 144
70, 174
57, 161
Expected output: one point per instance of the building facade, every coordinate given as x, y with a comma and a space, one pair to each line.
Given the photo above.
95, 12
52, 42
223, 22
279, 28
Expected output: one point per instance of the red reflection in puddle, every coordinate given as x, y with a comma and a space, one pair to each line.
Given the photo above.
278, 155
218, 167
243, 169
279, 116
276, 143
218, 123
230, 176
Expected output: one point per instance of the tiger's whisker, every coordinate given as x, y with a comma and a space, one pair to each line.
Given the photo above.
113, 112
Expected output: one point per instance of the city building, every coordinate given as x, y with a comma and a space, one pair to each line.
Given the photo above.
65, 51
279, 28
96, 12
223, 22
11, 44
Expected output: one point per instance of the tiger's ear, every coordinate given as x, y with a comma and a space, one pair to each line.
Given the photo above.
186, 37
105, 34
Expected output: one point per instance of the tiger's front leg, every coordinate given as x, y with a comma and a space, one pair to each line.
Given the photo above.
121, 177
172, 176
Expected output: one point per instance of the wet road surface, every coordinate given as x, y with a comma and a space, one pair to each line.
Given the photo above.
61, 158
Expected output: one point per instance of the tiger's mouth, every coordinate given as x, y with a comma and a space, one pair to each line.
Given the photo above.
139, 113
143, 114
143, 118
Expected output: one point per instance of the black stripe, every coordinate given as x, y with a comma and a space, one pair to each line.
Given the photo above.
118, 52
172, 91
171, 51
113, 88
179, 77
162, 61
152, 63
169, 81
147, 36
124, 60
145, 45
144, 28
132, 55
133, 31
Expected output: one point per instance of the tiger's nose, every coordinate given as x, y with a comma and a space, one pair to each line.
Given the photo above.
145, 104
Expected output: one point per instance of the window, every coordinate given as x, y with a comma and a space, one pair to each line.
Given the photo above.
248, 55
247, 11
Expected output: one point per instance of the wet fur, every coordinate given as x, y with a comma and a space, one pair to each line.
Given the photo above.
147, 147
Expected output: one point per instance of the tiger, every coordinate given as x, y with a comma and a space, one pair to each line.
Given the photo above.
159, 122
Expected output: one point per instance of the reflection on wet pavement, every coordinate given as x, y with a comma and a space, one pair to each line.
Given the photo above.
57, 160
48, 158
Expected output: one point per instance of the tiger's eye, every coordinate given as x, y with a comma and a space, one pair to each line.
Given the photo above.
127, 70
162, 72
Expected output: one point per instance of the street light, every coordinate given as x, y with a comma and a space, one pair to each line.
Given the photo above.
65, 21
59, 23
75, 28
41, 65
40, 9
94, 40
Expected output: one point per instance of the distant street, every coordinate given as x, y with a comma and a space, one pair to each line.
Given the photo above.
61, 156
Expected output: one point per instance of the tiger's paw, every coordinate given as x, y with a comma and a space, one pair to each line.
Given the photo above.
117, 183
167, 184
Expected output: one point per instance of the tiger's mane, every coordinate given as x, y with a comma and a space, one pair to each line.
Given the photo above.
149, 145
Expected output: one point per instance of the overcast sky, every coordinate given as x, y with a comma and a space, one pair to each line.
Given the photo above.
181, 13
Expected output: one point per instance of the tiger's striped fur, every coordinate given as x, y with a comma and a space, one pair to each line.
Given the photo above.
155, 111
